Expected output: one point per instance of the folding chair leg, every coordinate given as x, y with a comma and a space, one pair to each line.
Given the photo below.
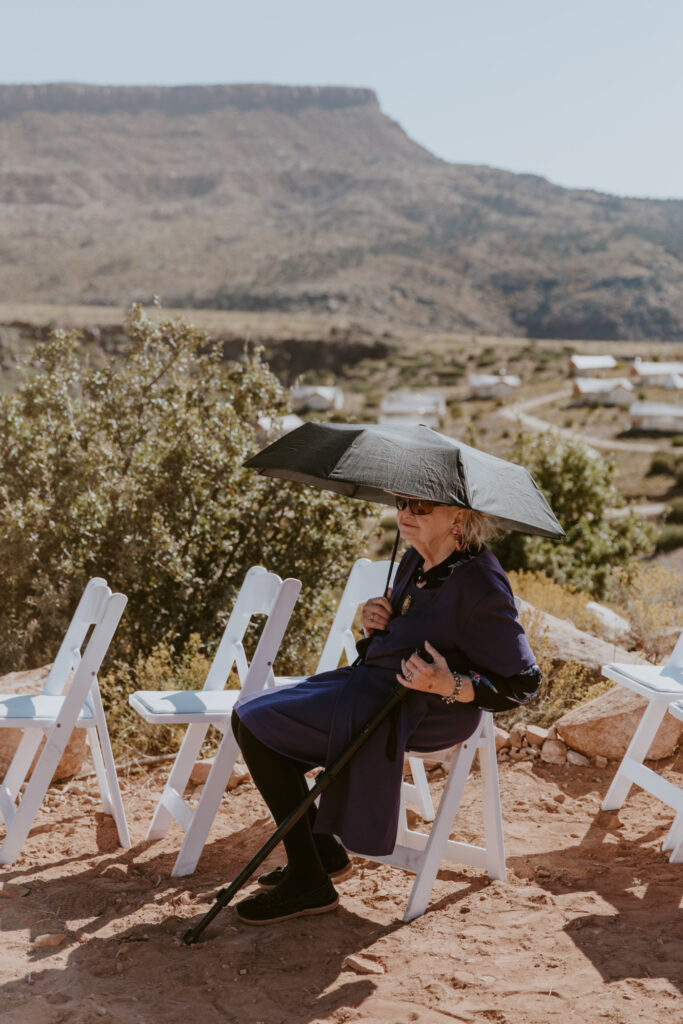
36, 789
420, 789
20, 764
177, 781
105, 768
493, 818
207, 808
636, 753
448, 806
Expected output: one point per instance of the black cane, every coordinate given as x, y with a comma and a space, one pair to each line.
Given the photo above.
325, 778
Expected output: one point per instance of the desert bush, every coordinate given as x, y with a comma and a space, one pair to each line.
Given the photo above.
650, 598
677, 441
662, 463
578, 483
564, 602
669, 537
487, 357
564, 686
673, 513
134, 471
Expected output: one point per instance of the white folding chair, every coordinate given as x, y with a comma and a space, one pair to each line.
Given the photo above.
55, 713
367, 579
674, 840
662, 685
262, 593
423, 853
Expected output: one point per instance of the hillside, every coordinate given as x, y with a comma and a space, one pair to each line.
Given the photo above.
310, 199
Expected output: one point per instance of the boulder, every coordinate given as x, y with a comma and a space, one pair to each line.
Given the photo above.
536, 735
571, 644
33, 681
502, 737
604, 726
554, 752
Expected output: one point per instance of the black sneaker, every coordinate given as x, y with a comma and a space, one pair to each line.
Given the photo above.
271, 906
272, 878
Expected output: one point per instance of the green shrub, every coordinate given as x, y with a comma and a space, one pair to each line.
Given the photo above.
677, 441
662, 462
578, 483
673, 513
669, 537
486, 357
134, 471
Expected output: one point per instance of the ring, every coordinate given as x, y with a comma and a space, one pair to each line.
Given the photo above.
408, 674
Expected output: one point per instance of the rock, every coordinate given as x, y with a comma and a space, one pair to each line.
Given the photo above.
518, 754
536, 735
46, 941
604, 726
200, 771
240, 774
516, 736
600, 761
568, 643
12, 889
554, 752
616, 627
502, 737
574, 757
362, 964
33, 681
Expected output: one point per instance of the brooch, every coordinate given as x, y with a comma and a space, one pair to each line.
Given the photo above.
407, 604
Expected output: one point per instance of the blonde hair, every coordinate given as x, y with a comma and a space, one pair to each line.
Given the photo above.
476, 528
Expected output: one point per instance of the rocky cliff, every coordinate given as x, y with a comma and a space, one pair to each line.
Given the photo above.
267, 197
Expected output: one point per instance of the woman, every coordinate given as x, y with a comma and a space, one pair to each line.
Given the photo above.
451, 599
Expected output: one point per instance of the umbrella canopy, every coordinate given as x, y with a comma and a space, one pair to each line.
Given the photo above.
367, 461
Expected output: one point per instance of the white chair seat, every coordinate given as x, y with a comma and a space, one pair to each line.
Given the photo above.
658, 682
39, 711
176, 706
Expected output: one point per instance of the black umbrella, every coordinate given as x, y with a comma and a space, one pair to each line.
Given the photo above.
368, 461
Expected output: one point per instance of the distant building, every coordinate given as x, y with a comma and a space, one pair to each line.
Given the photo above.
269, 429
320, 398
589, 366
411, 407
658, 375
493, 385
602, 391
663, 416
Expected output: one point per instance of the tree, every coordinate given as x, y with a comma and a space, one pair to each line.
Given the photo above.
578, 483
134, 471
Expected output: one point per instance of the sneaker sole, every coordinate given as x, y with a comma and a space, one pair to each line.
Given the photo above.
307, 912
335, 876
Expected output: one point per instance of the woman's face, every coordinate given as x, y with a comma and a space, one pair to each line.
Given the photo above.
432, 530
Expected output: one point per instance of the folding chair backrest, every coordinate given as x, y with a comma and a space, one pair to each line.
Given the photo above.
676, 656
260, 594
367, 579
87, 613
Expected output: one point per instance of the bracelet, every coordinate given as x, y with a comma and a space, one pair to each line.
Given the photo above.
453, 697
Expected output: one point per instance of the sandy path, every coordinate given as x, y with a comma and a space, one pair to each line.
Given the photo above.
588, 926
518, 412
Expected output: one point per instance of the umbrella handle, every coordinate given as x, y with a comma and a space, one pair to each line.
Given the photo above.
391, 563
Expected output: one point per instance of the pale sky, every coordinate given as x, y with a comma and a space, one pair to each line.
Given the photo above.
587, 93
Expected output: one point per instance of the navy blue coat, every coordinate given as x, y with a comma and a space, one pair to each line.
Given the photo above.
471, 619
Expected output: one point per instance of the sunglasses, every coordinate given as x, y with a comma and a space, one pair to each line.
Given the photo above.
418, 506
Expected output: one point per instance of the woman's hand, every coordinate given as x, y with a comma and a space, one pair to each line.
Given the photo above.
376, 613
436, 678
